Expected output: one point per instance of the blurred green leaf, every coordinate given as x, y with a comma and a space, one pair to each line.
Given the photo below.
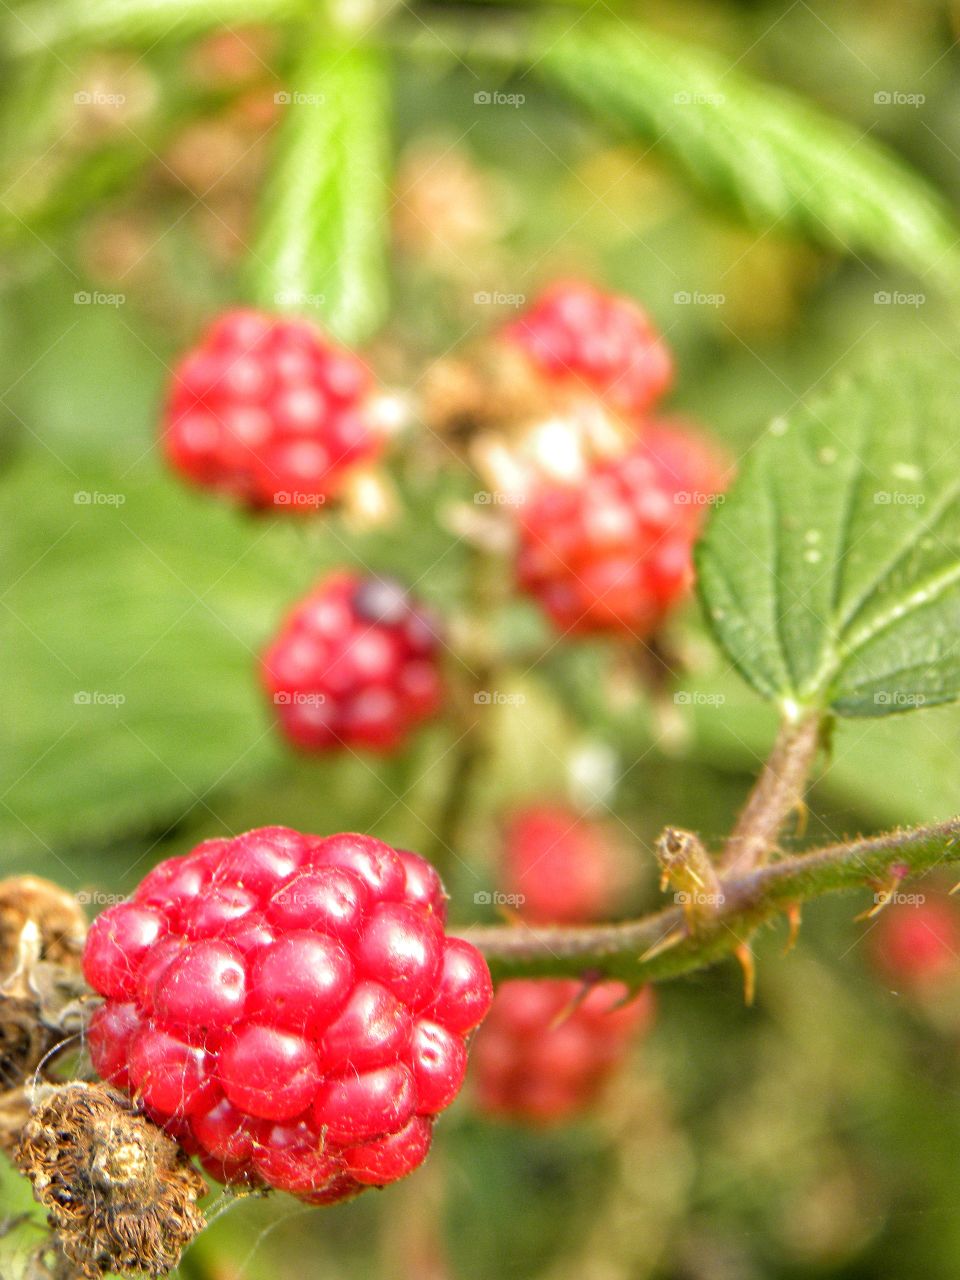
323, 227
831, 575
131, 626
768, 153
47, 24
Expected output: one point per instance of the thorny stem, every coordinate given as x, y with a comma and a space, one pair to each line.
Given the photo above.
634, 952
779, 789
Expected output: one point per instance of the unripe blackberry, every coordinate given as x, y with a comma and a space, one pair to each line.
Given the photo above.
613, 551
541, 1057
355, 664
269, 412
306, 1034
560, 867
581, 339
917, 944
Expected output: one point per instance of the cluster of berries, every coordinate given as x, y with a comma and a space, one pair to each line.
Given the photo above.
549, 1046
610, 547
271, 413
289, 1007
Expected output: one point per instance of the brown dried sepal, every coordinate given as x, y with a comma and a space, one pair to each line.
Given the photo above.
491, 389
121, 1196
56, 913
42, 1006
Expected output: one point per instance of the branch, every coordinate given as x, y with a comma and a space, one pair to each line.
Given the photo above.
633, 951
779, 790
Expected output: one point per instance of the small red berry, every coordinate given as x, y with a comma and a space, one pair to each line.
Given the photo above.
917, 943
269, 412
613, 551
293, 1012
356, 664
541, 1056
582, 339
561, 868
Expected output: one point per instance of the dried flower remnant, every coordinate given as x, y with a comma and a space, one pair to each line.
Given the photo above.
121, 1196
56, 913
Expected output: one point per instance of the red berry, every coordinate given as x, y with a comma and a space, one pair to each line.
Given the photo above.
374, 1163
118, 943
269, 412
464, 988
561, 868
613, 551
271, 1014
918, 943
356, 664
268, 1073
582, 339
111, 1031
541, 1056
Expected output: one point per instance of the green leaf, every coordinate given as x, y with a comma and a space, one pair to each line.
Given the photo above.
48, 24
831, 575
131, 627
764, 151
322, 239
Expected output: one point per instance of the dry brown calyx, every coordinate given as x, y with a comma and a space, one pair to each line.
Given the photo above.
42, 992
120, 1195
58, 916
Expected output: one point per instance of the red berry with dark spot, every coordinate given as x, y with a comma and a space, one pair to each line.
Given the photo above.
294, 1014
270, 412
356, 664
583, 340
561, 868
612, 551
543, 1055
